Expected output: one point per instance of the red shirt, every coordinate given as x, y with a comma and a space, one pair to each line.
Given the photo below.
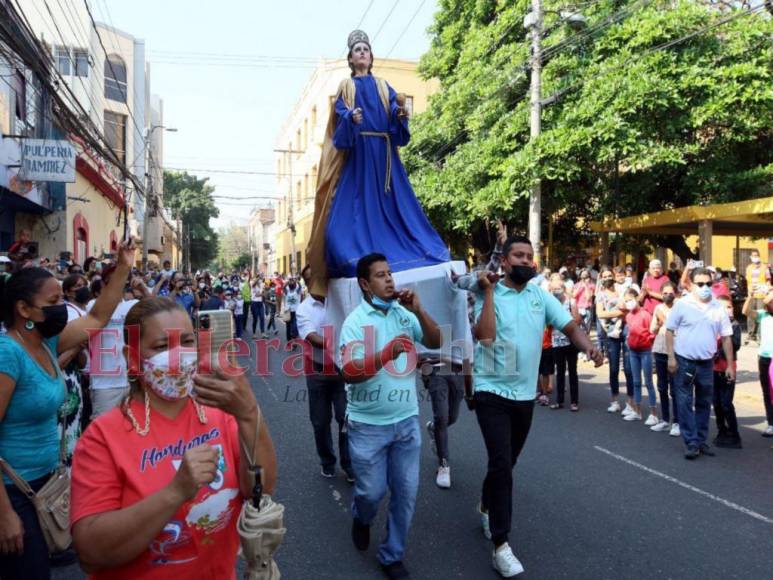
656, 285
114, 467
278, 285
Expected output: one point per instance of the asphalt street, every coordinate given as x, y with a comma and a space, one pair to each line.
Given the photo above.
595, 498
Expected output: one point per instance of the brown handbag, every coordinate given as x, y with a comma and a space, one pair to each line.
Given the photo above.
52, 501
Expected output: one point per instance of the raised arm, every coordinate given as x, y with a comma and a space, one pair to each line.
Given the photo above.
75, 333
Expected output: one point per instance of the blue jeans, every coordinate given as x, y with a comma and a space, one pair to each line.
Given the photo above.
616, 347
697, 376
239, 325
258, 316
666, 388
386, 456
641, 362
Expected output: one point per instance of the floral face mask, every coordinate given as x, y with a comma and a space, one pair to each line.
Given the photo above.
170, 373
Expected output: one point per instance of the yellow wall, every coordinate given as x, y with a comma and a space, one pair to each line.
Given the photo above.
101, 215
722, 250
314, 103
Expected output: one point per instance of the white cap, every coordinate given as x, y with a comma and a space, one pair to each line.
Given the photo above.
4, 259
654, 263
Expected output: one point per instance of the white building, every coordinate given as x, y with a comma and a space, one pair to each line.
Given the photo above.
259, 233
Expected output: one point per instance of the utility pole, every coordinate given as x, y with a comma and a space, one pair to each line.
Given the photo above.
150, 199
535, 200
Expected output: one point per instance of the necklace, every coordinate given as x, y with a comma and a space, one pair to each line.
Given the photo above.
143, 431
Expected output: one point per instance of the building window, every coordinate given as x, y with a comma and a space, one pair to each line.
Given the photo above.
279, 169
298, 142
80, 229
115, 79
409, 104
305, 188
62, 56
115, 135
314, 179
305, 134
80, 60
298, 194
19, 86
313, 122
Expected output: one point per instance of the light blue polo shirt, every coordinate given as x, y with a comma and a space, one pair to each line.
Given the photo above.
510, 366
390, 396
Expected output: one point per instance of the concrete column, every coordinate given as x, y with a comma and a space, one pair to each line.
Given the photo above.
604, 249
705, 232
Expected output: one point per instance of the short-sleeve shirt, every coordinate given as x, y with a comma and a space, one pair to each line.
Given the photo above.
292, 298
656, 285
29, 436
390, 396
510, 366
697, 326
108, 364
186, 301
114, 468
557, 338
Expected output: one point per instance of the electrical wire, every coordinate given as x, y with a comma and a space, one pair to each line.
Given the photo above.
407, 26
383, 23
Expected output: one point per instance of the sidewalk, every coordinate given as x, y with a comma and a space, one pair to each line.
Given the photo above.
748, 393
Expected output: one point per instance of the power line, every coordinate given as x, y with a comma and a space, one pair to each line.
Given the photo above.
383, 23
407, 26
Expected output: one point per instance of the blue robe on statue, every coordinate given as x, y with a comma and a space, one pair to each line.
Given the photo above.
373, 211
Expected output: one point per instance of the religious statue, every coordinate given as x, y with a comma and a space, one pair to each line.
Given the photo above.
364, 202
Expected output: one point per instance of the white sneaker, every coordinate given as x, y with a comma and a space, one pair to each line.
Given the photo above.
484, 523
652, 420
675, 432
768, 432
505, 562
443, 478
614, 407
634, 416
661, 426
628, 410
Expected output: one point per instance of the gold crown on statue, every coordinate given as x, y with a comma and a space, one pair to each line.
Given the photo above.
357, 36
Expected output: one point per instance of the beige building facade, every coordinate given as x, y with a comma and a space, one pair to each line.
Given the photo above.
299, 145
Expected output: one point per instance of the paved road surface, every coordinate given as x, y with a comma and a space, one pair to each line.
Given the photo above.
596, 498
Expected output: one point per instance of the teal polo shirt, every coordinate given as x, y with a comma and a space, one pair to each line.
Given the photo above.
390, 395
509, 367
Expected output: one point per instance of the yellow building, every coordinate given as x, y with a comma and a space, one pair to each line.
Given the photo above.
299, 144
726, 233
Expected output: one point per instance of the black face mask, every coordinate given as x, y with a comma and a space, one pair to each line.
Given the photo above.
608, 283
669, 298
83, 295
521, 274
54, 322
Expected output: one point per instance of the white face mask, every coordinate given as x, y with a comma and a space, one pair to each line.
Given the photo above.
168, 383
755, 259
630, 304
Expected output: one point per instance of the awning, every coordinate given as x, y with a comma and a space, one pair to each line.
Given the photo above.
18, 203
752, 218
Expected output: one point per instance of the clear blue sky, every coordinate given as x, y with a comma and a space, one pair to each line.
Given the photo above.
228, 116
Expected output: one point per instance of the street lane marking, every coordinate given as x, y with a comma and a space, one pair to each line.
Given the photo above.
711, 496
270, 390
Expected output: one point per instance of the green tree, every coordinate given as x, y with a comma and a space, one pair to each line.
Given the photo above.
190, 200
233, 247
655, 105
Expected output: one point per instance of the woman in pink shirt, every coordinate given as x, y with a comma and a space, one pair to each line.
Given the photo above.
583, 294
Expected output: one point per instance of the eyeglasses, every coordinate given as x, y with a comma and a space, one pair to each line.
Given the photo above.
702, 284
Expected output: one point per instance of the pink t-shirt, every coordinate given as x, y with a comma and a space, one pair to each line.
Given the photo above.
656, 285
114, 467
584, 295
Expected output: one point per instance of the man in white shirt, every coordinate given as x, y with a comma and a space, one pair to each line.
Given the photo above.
326, 389
109, 379
697, 321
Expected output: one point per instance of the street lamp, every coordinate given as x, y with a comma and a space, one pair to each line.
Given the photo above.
149, 190
534, 21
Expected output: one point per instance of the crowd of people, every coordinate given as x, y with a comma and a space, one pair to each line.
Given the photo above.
675, 333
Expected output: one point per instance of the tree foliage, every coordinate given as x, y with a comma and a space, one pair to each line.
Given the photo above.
233, 247
190, 200
654, 105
